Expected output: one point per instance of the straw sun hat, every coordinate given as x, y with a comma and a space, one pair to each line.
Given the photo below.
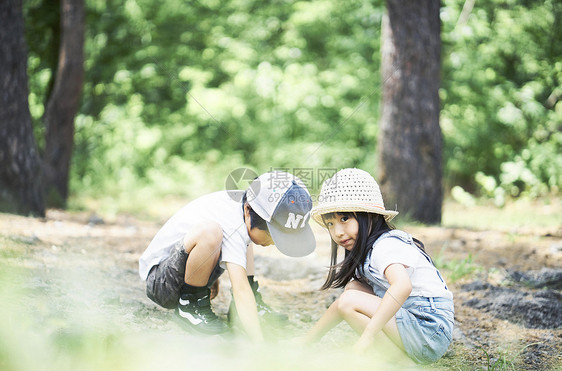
350, 190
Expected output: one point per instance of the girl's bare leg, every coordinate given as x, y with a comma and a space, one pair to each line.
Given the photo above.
358, 303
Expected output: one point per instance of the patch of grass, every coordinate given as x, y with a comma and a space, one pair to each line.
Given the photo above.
456, 269
12, 247
9, 254
505, 360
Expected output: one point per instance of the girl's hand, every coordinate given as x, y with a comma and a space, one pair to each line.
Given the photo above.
361, 346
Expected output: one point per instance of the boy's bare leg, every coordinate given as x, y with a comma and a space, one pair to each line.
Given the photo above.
194, 308
204, 248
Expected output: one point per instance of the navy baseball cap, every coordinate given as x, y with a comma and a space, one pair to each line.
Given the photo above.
283, 201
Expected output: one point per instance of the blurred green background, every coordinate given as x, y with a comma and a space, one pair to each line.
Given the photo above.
179, 93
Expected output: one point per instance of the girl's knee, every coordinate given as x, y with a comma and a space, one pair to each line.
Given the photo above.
346, 301
352, 301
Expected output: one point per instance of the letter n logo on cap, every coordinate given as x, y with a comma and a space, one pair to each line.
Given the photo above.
293, 221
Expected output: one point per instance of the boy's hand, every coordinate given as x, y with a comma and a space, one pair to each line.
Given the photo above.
244, 301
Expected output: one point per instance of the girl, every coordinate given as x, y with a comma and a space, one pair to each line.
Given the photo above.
390, 282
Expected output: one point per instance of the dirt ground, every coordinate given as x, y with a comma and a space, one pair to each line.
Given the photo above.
72, 299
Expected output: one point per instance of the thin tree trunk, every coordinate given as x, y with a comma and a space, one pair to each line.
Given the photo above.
20, 168
64, 103
410, 141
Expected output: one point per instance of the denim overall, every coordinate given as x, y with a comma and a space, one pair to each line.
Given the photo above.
425, 324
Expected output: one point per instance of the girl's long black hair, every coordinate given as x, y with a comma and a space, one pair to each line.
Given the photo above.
371, 227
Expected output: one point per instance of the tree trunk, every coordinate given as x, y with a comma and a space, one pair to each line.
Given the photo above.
20, 168
64, 103
410, 141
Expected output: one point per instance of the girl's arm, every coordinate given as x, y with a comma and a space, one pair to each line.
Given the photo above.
399, 290
330, 319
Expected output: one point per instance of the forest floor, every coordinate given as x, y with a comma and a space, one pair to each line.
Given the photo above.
71, 299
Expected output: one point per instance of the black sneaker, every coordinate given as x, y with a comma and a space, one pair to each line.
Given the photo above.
195, 312
264, 310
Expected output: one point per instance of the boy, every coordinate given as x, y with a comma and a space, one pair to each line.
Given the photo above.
211, 234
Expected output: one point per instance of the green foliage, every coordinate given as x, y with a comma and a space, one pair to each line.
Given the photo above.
178, 94
43, 43
502, 113
175, 90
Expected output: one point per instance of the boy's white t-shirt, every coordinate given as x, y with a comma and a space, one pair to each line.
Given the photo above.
424, 276
217, 207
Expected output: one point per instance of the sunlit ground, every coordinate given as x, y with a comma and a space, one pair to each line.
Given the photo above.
71, 331
68, 305
59, 310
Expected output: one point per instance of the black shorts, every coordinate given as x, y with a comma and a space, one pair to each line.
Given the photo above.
165, 280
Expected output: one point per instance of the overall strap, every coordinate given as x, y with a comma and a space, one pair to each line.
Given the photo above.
363, 269
404, 237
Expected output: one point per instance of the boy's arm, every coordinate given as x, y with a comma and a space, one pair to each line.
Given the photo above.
329, 319
399, 290
244, 301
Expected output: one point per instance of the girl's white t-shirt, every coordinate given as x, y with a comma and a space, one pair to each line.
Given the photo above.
219, 207
425, 278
